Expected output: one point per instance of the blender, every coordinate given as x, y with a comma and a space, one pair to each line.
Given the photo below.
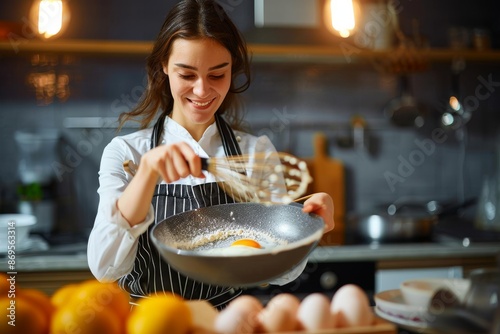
38, 150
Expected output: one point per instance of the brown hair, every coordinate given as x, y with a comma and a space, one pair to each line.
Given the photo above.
190, 19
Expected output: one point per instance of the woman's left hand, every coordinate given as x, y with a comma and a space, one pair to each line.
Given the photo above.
322, 205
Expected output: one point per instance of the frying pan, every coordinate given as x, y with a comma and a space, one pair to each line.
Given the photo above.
286, 233
409, 222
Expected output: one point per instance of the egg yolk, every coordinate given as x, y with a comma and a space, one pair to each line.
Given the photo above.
246, 242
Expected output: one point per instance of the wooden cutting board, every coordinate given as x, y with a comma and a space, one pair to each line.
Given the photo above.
329, 177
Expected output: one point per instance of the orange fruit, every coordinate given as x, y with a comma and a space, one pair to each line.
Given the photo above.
99, 296
160, 314
62, 295
39, 299
26, 316
246, 242
78, 317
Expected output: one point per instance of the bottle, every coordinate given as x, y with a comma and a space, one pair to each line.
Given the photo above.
488, 210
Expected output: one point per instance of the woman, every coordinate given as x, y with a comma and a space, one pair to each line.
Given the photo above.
192, 73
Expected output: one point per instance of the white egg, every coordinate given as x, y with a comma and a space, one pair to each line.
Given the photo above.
351, 307
280, 314
239, 317
314, 313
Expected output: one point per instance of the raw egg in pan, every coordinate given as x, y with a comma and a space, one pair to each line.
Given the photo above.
247, 243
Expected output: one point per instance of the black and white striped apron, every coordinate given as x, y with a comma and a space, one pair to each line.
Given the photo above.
151, 274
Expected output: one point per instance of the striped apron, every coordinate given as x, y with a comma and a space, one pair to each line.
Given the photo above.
151, 274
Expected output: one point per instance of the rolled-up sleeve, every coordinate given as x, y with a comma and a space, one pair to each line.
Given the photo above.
112, 243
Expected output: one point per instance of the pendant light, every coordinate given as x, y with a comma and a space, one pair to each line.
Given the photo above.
340, 17
50, 17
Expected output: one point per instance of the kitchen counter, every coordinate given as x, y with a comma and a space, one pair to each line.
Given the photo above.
403, 251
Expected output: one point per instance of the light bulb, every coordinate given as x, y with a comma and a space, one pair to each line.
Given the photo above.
339, 17
454, 103
50, 17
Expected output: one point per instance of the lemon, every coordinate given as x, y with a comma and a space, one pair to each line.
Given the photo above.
160, 314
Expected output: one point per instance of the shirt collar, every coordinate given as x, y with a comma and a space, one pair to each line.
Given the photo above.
209, 138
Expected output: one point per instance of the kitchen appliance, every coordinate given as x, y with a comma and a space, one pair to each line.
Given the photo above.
287, 234
36, 191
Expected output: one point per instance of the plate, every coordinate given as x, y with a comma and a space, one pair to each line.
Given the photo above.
390, 306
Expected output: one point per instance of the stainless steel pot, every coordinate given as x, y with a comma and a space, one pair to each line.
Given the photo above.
287, 234
408, 222
389, 228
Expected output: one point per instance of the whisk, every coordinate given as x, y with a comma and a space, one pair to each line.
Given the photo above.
274, 178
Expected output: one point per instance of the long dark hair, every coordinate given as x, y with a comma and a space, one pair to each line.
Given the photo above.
190, 19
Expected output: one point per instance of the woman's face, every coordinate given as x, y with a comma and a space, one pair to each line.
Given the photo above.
199, 72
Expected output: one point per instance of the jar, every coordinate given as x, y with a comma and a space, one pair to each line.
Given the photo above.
483, 296
481, 39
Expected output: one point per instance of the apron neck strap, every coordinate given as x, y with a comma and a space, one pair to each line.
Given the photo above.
229, 141
157, 131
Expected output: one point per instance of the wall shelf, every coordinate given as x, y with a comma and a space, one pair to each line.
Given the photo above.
260, 52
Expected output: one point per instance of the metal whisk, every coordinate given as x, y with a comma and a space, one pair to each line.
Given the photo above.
278, 178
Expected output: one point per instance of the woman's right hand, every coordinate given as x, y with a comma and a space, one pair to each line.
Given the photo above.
171, 162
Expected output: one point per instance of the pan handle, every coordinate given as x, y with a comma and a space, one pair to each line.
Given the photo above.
455, 208
430, 207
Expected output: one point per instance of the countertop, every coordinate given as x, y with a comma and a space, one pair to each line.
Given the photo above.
373, 252
73, 257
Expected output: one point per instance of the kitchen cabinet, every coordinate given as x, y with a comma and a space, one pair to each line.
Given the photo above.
273, 53
49, 281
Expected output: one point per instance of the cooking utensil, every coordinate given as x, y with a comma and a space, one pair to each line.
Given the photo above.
286, 233
261, 177
390, 228
405, 222
404, 110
